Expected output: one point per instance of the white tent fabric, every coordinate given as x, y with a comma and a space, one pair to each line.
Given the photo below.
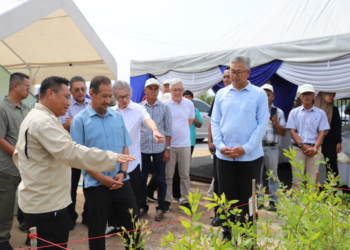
51, 37
291, 31
329, 76
198, 83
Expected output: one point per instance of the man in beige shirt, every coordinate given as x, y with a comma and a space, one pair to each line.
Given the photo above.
44, 155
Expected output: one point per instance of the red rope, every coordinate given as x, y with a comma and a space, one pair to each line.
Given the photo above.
158, 225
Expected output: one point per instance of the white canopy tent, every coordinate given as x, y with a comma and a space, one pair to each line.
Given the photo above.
51, 37
297, 32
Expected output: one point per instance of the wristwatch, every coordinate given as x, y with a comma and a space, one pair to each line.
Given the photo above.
124, 173
168, 147
300, 145
315, 150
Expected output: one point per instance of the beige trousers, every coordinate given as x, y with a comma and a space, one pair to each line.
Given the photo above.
309, 165
183, 158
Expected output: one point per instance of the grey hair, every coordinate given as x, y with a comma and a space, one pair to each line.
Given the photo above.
176, 81
119, 85
244, 59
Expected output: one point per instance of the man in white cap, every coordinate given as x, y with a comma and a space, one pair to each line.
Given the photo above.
166, 90
307, 125
275, 128
160, 153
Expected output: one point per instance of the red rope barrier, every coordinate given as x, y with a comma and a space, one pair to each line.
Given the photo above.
149, 227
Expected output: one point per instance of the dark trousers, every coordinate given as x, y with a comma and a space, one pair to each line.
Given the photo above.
159, 167
215, 175
52, 226
135, 176
152, 184
100, 199
20, 216
73, 215
8, 187
235, 180
329, 150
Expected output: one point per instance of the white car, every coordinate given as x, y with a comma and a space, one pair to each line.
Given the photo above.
203, 108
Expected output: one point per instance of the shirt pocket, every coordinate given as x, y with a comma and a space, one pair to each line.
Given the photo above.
248, 106
118, 137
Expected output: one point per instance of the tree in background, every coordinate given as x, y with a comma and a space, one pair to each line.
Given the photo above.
206, 98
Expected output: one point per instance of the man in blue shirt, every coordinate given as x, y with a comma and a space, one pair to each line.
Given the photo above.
238, 123
102, 127
308, 125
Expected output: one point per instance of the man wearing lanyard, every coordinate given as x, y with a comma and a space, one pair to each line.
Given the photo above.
308, 125
275, 128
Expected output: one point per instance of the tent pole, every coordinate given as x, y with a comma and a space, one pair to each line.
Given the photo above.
27, 65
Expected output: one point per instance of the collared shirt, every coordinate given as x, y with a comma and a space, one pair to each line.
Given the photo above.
161, 115
74, 108
240, 119
193, 128
307, 123
181, 113
134, 116
11, 117
271, 135
44, 154
106, 133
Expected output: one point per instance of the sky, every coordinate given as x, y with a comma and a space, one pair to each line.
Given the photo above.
139, 30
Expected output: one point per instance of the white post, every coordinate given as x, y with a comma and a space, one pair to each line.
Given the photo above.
33, 241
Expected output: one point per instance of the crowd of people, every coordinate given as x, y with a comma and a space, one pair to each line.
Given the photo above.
45, 150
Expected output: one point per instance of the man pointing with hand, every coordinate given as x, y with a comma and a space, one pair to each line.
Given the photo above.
238, 123
44, 155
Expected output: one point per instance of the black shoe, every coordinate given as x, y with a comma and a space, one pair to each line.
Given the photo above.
167, 207
272, 207
216, 222
186, 205
23, 227
85, 223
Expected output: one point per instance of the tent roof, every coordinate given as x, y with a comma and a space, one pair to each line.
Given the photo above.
294, 30
51, 37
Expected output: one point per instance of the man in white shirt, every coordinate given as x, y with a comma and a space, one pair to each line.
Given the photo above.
134, 116
183, 113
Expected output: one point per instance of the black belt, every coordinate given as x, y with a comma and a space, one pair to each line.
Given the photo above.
310, 144
267, 144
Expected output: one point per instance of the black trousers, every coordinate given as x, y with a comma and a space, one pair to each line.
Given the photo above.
52, 226
73, 215
329, 150
235, 180
135, 177
152, 184
100, 199
215, 175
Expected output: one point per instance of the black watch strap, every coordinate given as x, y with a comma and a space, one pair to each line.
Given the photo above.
123, 172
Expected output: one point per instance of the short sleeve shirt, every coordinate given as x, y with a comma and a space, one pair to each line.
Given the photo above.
11, 117
307, 123
106, 133
193, 128
181, 113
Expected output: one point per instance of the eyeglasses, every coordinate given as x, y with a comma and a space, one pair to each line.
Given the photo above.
238, 73
121, 98
67, 97
27, 87
77, 90
177, 90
